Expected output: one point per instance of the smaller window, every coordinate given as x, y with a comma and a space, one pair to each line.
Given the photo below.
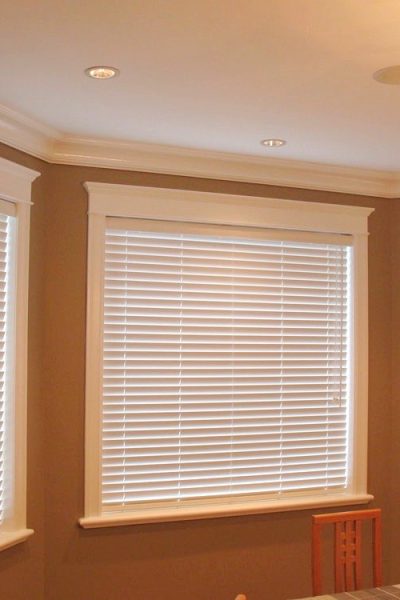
15, 191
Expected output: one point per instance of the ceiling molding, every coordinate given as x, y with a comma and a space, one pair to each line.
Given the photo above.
29, 135
220, 165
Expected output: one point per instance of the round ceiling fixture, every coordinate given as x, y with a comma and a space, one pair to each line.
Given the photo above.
101, 72
389, 75
273, 143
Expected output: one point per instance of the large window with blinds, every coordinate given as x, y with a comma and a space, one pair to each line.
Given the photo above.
225, 375
15, 194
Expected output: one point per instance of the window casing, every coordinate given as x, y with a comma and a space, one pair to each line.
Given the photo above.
15, 194
206, 336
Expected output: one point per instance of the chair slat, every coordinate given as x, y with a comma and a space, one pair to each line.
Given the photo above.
339, 563
316, 564
348, 549
377, 544
358, 555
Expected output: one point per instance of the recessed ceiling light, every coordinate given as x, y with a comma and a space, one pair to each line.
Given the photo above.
389, 75
273, 143
101, 72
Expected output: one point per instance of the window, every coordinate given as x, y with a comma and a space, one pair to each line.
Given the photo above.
15, 192
223, 355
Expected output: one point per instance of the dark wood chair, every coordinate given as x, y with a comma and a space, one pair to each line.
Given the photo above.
347, 555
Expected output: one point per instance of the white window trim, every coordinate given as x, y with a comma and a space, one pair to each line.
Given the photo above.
113, 200
15, 187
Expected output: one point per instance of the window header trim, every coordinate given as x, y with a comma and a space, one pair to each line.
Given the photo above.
16, 182
114, 200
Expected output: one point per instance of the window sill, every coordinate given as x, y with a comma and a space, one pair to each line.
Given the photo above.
11, 538
223, 510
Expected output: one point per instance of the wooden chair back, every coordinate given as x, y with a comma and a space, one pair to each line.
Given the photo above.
347, 554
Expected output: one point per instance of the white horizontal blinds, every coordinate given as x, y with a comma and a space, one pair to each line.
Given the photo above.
6, 330
225, 367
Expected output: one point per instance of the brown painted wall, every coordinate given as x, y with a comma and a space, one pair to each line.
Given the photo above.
265, 555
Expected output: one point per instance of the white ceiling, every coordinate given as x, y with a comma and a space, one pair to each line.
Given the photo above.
215, 75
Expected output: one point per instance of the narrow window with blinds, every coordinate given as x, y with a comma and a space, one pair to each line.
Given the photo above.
225, 366
7, 335
15, 207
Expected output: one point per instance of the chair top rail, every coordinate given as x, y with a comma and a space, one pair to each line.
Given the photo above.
352, 515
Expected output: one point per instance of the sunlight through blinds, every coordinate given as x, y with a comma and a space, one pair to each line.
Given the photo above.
225, 367
6, 330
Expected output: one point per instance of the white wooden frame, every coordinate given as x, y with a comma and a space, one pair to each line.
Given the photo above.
110, 200
15, 187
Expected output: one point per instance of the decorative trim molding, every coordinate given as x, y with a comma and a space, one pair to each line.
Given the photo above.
227, 510
29, 135
9, 539
16, 181
130, 201
221, 165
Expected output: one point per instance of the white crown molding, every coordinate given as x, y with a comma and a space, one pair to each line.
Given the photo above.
29, 135
221, 165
